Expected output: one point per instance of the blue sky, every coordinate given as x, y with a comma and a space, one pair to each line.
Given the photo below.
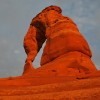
16, 15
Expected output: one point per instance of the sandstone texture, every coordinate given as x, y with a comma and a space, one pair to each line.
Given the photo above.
52, 88
66, 51
66, 72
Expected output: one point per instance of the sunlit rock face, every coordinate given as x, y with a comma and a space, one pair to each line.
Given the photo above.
66, 71
66, 51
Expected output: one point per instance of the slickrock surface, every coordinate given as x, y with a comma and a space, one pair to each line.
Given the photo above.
63, 88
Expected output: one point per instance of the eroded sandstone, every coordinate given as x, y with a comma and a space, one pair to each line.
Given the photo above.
66, 51
66, 72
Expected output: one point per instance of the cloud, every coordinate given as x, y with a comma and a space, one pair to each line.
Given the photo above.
16, 51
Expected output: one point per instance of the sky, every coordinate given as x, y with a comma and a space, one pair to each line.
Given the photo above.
15, 18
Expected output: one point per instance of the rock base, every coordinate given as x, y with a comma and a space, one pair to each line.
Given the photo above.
52, 88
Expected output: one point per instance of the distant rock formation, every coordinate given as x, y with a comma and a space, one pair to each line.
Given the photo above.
66, 51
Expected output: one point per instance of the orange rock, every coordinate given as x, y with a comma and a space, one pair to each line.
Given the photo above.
65, 62
55, 88
66, 51
28, 68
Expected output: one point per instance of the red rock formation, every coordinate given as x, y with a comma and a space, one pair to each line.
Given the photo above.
66, 71
66, 51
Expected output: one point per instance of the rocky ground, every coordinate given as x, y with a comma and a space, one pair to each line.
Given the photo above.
52, 88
